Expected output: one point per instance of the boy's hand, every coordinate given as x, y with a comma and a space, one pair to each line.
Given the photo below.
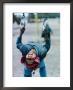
22, 30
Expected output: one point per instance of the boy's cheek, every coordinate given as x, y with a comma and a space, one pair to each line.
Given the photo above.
34, 55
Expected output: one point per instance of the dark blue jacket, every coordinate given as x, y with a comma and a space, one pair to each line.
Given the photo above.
41, 50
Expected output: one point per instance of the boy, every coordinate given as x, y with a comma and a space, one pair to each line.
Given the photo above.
34, 53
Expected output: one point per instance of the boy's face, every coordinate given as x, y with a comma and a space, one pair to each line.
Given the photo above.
31, 54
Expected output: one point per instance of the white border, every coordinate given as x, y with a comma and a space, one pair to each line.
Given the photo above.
64, 79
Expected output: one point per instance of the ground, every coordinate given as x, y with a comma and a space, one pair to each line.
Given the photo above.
33, 32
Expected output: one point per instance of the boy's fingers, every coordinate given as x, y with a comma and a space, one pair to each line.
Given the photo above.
23, 29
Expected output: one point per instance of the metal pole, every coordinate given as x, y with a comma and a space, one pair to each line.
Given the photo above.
37, 26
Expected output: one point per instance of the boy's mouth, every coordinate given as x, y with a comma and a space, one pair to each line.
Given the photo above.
29, 60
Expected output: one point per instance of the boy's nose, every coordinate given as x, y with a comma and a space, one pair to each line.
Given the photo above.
29, 55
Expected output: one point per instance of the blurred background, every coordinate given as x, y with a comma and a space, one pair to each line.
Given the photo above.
34, 26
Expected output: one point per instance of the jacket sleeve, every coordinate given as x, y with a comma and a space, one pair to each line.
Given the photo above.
23, 48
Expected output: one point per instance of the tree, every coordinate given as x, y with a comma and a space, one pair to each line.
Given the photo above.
31, 16
16, 19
